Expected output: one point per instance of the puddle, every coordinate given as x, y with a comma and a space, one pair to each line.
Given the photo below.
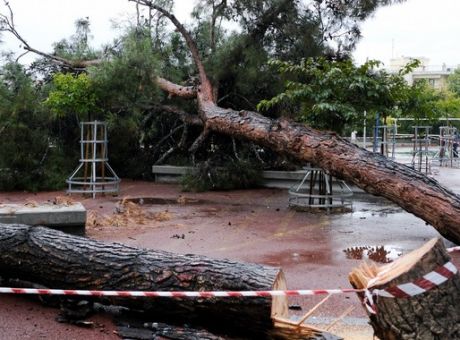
380, 254
167, 201
288, 258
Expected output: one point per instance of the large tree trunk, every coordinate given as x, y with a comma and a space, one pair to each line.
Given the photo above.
433, 314
58, 260
374, 173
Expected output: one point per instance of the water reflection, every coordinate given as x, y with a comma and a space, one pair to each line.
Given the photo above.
381, 254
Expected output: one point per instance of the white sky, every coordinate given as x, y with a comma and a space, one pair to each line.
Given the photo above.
416, 28
44, 22
428, 28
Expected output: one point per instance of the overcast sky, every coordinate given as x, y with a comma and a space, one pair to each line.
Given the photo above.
416, 28
428, 28
43, 22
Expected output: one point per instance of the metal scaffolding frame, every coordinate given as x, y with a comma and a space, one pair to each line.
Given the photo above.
316, 193
387, 144
420, 152
94, 174
447, 154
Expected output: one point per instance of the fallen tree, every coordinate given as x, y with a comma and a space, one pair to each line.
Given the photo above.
433, 313
413, 191
57, 260
374, 173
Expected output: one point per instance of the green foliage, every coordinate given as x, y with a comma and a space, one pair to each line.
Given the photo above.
77, 47
126, 156
125, 83
232, 175
449, 104
28, 161
453, 82
72, 95
421, 101
126, 91
328, 94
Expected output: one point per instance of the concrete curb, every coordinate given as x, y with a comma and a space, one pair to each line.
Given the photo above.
71, 218
270, 179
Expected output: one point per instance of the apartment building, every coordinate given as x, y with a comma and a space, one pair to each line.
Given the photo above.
435, 75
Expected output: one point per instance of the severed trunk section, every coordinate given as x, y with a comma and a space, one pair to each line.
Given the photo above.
58, 260
433, 314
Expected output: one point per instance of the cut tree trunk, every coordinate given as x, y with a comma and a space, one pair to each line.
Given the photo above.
58, 260
434, 314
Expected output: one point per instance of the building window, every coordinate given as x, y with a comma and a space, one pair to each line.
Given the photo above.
432, 82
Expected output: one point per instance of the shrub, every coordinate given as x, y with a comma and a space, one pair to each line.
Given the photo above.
232, 175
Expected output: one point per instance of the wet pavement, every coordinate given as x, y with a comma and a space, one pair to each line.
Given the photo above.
316, 251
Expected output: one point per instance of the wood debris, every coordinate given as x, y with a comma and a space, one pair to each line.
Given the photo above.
31, 204
64, 200
126, 213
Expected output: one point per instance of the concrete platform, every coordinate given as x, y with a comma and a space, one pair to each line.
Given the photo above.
69, 218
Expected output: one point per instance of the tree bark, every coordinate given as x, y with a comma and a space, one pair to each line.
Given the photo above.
58, 260
434, 314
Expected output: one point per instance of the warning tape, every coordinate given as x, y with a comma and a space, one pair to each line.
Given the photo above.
433, 279
176, 294
419, 286
453, 249
429, 281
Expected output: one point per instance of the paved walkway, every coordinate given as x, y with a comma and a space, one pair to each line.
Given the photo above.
250, 225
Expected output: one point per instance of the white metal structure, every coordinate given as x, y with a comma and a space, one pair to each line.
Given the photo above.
317, 193
94, 174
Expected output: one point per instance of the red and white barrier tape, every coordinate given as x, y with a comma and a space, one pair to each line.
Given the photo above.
453, 249
175, 294
419, 286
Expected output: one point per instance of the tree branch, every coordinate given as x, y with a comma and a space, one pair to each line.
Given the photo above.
184, 116
172, 148
7, 25
175, 89
197, 143
206, 91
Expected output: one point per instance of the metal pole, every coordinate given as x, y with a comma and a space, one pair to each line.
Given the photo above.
364, 130
376, 131
94, 178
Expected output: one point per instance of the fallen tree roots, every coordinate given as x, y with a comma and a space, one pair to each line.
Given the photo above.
55, 259
415, 297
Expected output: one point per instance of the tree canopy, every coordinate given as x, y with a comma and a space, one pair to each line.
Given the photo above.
274, 40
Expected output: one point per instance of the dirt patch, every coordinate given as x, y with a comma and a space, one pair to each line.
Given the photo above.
167, 201
127, 213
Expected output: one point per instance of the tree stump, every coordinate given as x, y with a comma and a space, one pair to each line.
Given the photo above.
57, 260
433, 313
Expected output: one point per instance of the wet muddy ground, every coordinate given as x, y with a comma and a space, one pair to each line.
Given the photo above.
316, 251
